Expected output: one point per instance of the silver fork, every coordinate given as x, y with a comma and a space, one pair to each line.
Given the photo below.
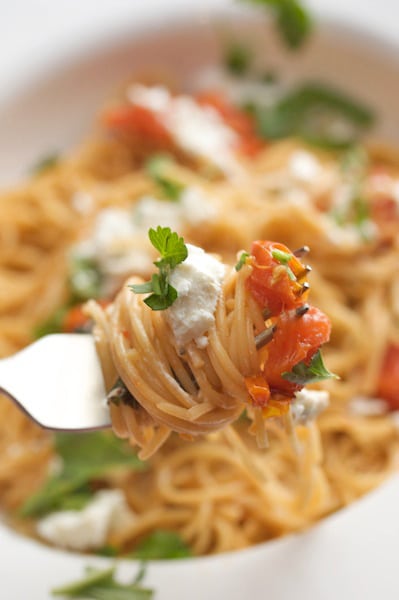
57, 382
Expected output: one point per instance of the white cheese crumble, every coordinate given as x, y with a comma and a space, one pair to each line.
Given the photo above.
308, 404
367, 407
198, 281
119, 240
304, 166
199, 130
88, 528
239, 90
193, 208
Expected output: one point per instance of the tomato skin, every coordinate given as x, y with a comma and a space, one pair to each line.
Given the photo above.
258, 390
388, 385
138, 121
242, 123
296, 339
74, 319
269, 282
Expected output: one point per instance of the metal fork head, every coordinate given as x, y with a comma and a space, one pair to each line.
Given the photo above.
57, 381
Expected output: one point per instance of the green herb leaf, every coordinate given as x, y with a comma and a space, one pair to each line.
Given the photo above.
280, 256
161, 302
101, 585
302, 374
45, 163
52, 325
284, 258
320, 115
85, 457
171, 247
85, 280
142, 288
242, 260
157, 167
293, 21
162, 544
173, 251
238, 59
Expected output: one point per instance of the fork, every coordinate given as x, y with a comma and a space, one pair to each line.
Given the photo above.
57, 382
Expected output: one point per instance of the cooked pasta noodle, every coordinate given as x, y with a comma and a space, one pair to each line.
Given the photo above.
220, 492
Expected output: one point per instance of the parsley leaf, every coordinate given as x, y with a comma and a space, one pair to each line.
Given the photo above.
162, 544
85, 456
170, 246
242, 260
101, 585
45, 163
173, 251
319, 114
85, 280
157, 167
238, 59
293, 21
51, 325
302, 374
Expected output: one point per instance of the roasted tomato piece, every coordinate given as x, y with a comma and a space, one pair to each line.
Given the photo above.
296, 339
388, 385
277, 277
237, 119
140, 122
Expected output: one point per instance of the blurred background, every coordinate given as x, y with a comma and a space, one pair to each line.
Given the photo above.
36, 31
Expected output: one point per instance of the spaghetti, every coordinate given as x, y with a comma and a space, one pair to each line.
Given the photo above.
220, 492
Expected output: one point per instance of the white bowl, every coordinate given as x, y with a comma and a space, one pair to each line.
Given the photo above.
352, 554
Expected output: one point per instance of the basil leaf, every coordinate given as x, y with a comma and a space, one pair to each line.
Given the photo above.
85, 279
101, 585
157, 169
45, 163
303, 373
238, 59
293, 21
312, 112
52, 325
162, 544
85, 457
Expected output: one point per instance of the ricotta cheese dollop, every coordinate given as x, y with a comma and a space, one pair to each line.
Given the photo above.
308, 404
198, 281
88, 528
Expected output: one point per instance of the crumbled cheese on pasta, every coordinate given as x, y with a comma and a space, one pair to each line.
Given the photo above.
308, 404
304, 166
199, 130
193, 208
119, 240
88, 528
198, 281
367, 407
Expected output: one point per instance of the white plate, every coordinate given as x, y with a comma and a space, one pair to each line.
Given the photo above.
352, 554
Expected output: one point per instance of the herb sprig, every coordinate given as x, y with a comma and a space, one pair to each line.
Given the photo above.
303, 373
317, 113
161, 545
293, 21
85, 457
157, 167
173, 251
284, 258
102, 585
